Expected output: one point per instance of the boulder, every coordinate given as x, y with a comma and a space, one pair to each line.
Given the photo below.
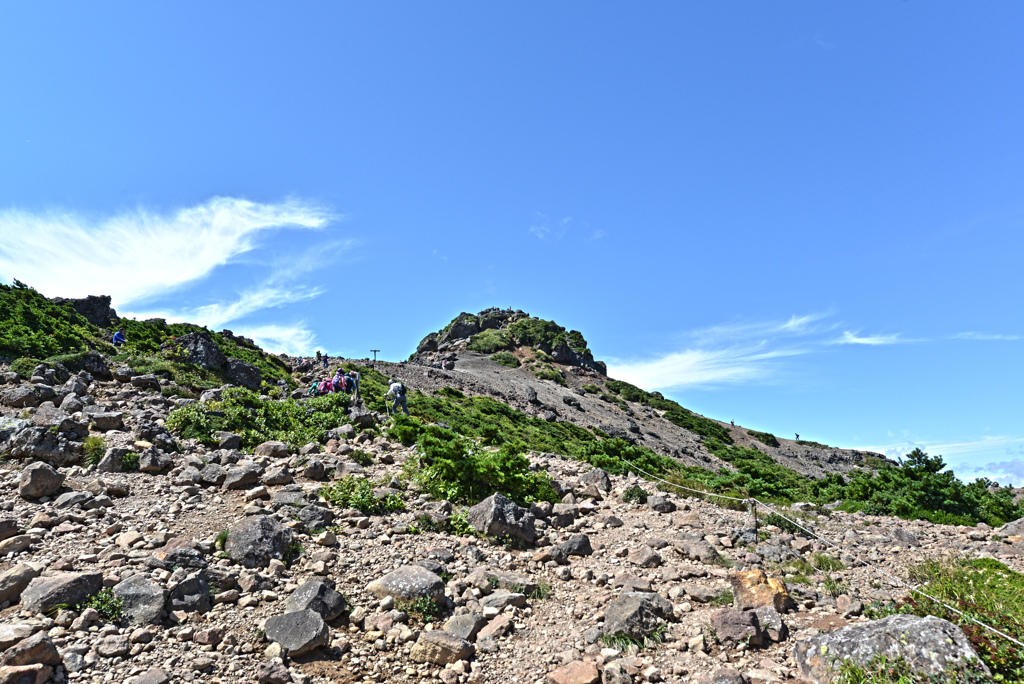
317, 596
660, 504
576, 672
142, 600
576, 545
106, 421
755, 589
440, 648
94, 308
38, 648
698, 551
299, 632
199, 348
929, 646
40, 444
228, 440
15, 544
272, 450
273, 672
316, 517
360, 416
39, 479
241, 478
154, 675
191, 595
465, 626
19, 397
243, 374
152, 460
497, 516
408, 583
10, 634
111, 461
597, 477
25, 674
257, 540
632, 615
771, 623
735, 627
148, 381
69, 588
14, 580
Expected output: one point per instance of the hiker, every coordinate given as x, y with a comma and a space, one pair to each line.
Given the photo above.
355, 381
119, 338
318, 356
398, 389
733, 423
325, 360
338, 381
797, 436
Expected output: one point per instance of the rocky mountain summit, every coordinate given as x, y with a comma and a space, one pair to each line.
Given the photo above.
195, 523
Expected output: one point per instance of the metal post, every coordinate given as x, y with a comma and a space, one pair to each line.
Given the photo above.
375, 356
753, 517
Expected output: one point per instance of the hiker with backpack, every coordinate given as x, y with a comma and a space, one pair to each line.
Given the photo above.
338, 382
119, 338
398, 389
354, 375
325, 360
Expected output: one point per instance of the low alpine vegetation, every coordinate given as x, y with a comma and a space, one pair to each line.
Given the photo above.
357, 492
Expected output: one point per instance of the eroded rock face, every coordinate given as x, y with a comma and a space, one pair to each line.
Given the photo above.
199, 348
255, 541
929, 645
497, 516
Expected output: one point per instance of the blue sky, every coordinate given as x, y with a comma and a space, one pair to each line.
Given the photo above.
806, 217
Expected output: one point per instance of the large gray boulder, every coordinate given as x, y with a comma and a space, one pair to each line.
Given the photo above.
37, 649
257, 540
317, 596
929, 645
316, 517
272, 450
94, 308
106, 421
634, 615
497, 516
39, 444
735, 627
142, 600
299, 632
19, 397
243, 374
465, 626
697, 550
465, 325
440, 648
39, 479
191, 595
199, 348
70, 588
408, 583
598, 478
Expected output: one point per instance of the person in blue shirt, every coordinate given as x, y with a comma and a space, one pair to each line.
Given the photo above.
119, 338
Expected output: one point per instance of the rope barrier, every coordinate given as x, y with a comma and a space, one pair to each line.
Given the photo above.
894, 578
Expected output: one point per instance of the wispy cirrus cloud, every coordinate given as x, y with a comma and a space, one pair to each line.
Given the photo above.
248, 302
295, 340
983, 336
140, 253
870, 340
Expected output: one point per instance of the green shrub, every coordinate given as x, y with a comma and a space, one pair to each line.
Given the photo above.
635, 494
357, 492
698, 424
808, 443
106, 603
782, 523
261, 420
361, 457
826, 563
591, 388
130, 462
764, 437
424, 608
454, 468
94, 448
882, 670
24, 366
506, 358
490, 341
404, 429
549, 372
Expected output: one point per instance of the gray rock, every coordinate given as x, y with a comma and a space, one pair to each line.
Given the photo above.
148, 381
213, 474
316, 517
39, 444
733, 627
200, 349
243, 374
112, 646
314, 470
775, 553
256, 540
503, 599
94, 308
904, 538
9, 527
317, 596
19, 397
71, 499
408, 583
299, 632
151, 676
14, 580
440, 648
241, 478
577, 545
142, 600
272, 450
633, 615
191, 595
697, 550
104, 422
727, 675
660, 504
597, 477
71, 588
72, 404
111, 461
929, 645
279, 475
39, 479
465, 626
360, 415
152, 460
38, 648
496, 516
228, 440
273, 672
74, 662
615, 673
771, 623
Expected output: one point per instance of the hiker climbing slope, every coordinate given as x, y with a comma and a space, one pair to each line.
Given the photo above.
355, 381
398, 389
119, 338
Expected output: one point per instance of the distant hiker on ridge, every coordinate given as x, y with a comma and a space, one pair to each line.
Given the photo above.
398, 389
119, 338
797, 436
325, 360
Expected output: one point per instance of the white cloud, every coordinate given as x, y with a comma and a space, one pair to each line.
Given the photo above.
870, 340
138, 254
297, 340
217, 314
983, 336
700, 367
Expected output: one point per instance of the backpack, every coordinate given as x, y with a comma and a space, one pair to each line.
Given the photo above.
400, 390
350, 384
325, 387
